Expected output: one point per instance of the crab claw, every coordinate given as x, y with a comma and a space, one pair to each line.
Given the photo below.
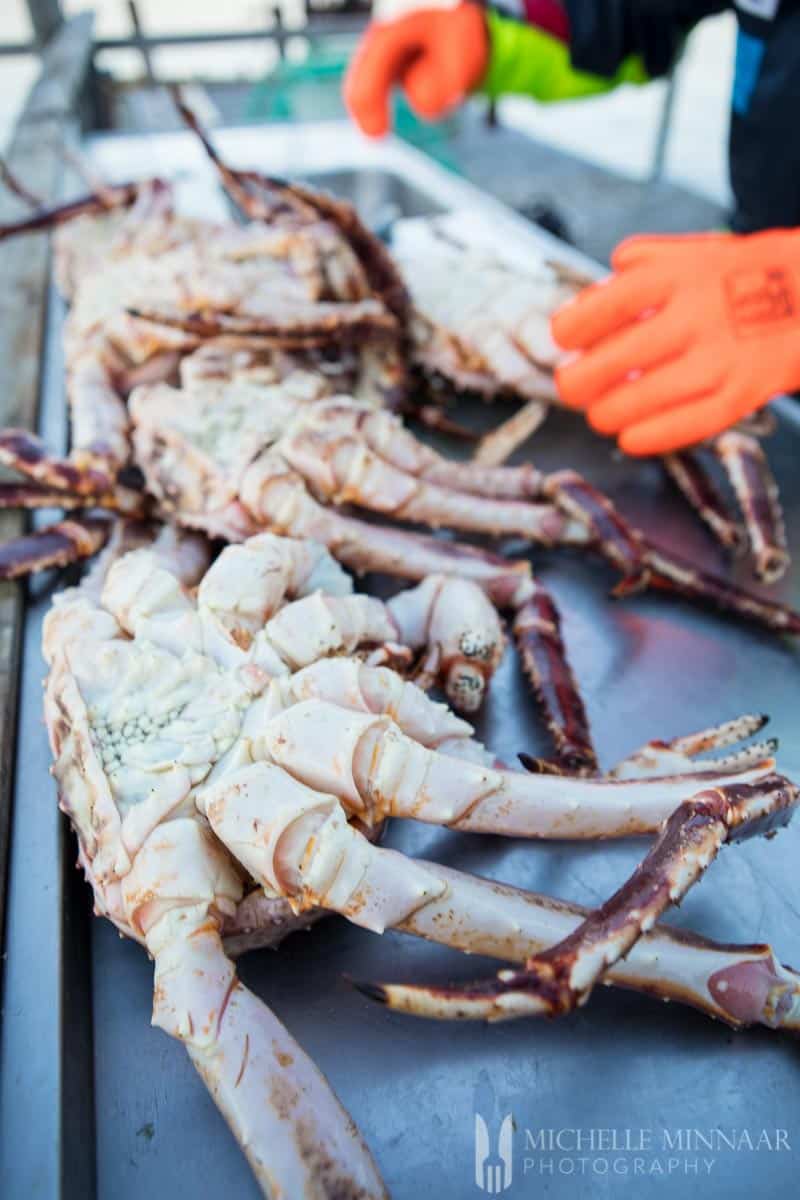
560, 979
677, 756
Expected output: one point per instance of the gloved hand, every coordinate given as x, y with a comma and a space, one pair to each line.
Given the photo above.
437, 54
688, 336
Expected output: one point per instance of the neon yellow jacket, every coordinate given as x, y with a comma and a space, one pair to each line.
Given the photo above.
527, 61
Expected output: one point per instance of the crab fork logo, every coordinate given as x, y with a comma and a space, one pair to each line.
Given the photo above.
493, 1168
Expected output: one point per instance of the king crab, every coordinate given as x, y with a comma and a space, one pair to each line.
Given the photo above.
491, 336
226, 761
257, 436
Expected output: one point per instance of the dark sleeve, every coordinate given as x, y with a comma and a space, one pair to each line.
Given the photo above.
605, 32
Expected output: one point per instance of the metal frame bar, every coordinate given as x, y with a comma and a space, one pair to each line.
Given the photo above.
319, 25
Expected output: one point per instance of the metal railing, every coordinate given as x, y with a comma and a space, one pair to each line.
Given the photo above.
47, 18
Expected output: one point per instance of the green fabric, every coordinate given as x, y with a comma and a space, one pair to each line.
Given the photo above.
526, 61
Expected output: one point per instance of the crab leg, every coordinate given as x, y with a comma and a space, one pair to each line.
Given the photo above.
537, 635
279, 1106
640, 562
279, 498
557, 980
377, 771
26, 453
98, 414
343, 471
673, 757
259, 197
121, 195
331, 321
358, 687
621, 545
433, 416
455, 620
388, 437
496, 447
35, 495
349, 452
674, 574
54, 546
691, 478
741, 985
62, 482
754, 484
296, 845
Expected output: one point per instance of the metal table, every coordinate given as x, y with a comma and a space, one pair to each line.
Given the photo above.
94, 1102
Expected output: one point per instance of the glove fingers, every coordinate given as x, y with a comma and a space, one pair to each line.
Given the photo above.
604, 307
666, 386
653, 249
428, 90
639, 347
685, 425
378, 64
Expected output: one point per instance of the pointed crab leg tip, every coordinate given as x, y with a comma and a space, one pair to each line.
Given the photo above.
373, 991
570, 763
545, 766
631, 584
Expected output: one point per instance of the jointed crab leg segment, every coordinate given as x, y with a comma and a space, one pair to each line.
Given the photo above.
615, 539
241, 618
757, 493
671, 573
56, 545
350, 452
278, 498
741, 985
26, 453
358, 687
260, 198
555, 981
122, 195
342, 471
537, 635
295, 842
377, 771
35, 495
690, 476
497, 446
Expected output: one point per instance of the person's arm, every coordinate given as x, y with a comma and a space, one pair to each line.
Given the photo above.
604, 33
526, 60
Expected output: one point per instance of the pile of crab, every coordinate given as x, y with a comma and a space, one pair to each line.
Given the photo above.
240, 384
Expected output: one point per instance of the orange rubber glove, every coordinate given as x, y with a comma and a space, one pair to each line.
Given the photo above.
688, 336
436, 54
